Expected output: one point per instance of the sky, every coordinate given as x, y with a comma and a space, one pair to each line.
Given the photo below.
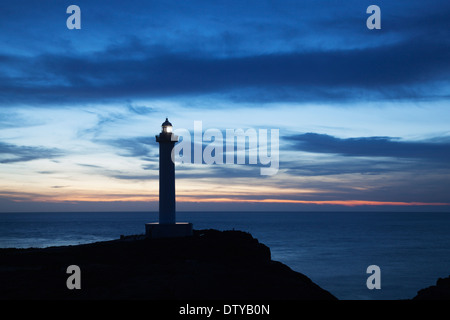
363, 115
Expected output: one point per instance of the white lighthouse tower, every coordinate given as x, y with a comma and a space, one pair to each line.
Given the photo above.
166, 141
167, 226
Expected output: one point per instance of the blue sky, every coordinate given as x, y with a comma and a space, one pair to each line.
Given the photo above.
363, 114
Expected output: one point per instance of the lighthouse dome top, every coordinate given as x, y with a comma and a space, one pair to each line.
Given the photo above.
166, 127
166, 123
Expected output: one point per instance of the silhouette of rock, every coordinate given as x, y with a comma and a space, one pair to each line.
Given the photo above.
441, 291
209, 265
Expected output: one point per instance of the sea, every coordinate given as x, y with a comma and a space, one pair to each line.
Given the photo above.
333, 249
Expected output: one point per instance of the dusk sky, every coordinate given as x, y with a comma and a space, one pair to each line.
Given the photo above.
363, 115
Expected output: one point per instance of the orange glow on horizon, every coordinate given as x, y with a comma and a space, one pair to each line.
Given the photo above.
348, 203
187, 199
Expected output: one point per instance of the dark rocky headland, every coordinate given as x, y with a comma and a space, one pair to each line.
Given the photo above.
440, 291
209, 265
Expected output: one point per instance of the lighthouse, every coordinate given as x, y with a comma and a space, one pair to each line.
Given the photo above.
166, 140
167, 225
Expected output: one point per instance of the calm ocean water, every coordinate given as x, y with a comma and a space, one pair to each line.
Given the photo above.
334, 249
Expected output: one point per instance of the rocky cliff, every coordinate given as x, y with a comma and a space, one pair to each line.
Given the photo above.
209, 265
440, 291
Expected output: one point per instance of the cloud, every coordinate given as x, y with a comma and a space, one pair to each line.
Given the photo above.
10, 153
218, 171
411, 69
90, 165
140, 110
273, 51
135, 177
436, 150
140, 147
339, 166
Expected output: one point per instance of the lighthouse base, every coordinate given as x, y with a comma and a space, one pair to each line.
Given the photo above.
157, 230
